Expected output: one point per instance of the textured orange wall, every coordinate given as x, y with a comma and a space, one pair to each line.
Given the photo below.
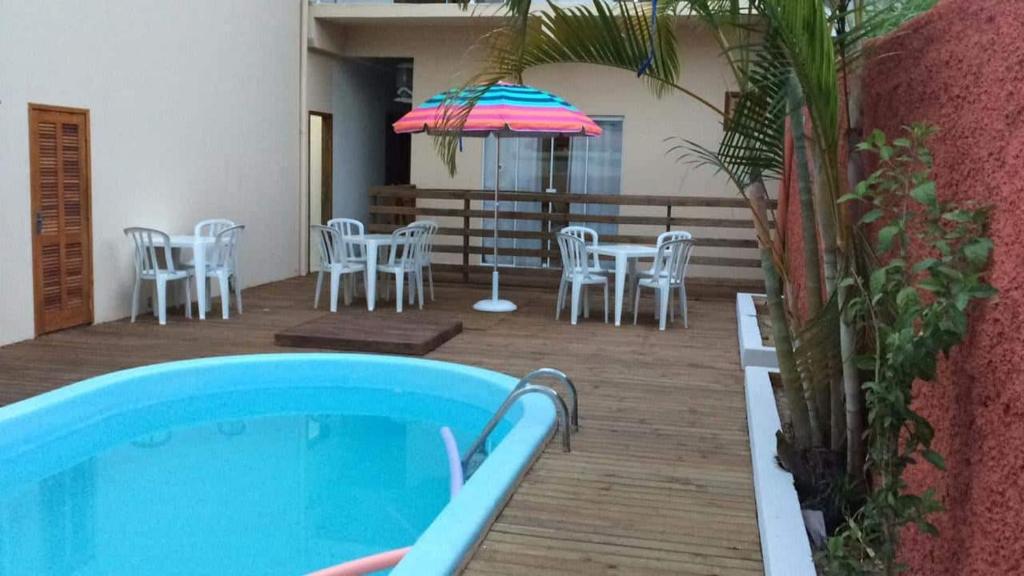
960, 67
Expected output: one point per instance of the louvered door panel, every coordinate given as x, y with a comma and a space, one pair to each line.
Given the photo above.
60, 217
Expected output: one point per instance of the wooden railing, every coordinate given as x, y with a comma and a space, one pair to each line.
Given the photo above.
725, 227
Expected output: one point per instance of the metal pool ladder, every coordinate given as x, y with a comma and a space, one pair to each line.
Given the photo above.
568, 419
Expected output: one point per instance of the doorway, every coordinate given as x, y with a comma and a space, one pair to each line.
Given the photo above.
398, 147
321, 177
61, 216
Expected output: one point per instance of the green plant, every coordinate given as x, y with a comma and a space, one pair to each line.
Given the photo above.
928, 260
896, 12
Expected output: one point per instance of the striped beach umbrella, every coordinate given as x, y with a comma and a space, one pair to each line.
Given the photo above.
503, 110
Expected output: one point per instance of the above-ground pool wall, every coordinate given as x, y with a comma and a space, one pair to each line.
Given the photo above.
961, 68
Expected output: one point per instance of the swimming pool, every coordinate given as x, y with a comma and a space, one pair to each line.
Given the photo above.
264, 464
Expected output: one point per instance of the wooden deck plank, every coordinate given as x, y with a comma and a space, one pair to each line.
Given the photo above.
659, 479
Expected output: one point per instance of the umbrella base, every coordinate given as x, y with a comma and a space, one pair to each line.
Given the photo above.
495, 305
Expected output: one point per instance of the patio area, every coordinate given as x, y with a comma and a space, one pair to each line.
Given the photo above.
659, 480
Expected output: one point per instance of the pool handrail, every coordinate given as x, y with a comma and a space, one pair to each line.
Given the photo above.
570, 388
561, 412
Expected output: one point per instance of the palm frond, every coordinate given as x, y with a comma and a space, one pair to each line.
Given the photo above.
617, 36
753, 142
691, 153
454, 110
695, 155
805, 36
604, 34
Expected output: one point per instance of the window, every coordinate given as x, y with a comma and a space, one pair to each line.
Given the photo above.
577, 165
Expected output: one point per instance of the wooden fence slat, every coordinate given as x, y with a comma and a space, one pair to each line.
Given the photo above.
536, 234
558, 198
564, 218
554, 254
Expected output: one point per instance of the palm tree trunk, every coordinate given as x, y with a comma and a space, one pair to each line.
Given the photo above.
817, 387
825, 203
791, 383
812, 261
852, 393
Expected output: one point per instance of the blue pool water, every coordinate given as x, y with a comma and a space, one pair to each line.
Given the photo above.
256, 465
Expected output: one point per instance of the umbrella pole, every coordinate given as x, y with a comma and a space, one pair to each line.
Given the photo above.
497, 187
494, 304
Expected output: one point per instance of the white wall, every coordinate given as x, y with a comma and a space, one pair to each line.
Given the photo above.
320, 82
356, 94
360, 104
194, 114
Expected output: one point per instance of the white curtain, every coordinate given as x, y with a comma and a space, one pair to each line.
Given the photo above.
597, 169
594, 166
520, 172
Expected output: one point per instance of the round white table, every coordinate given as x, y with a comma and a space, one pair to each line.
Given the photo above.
624, 254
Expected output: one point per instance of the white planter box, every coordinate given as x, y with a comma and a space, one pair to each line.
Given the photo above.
753, 352
785, 548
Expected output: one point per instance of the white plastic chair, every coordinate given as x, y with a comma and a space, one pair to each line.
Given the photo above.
669, 272
209, 227
427, 250
590, 237
221, 263
149, 243
350, 228
662, 238
404, 260
673, 235
577, 273
334, 260
212, 226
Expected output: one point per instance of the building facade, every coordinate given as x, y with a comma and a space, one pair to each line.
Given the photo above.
199, 110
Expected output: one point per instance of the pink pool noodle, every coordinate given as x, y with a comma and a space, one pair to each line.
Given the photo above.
455, 479
366, 564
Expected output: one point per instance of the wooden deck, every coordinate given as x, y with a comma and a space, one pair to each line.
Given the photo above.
659, 480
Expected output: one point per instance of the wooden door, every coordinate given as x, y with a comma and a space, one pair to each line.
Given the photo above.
61, 227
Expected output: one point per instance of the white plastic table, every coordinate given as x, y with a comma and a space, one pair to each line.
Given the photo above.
198, 244
623, 254
371, 244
